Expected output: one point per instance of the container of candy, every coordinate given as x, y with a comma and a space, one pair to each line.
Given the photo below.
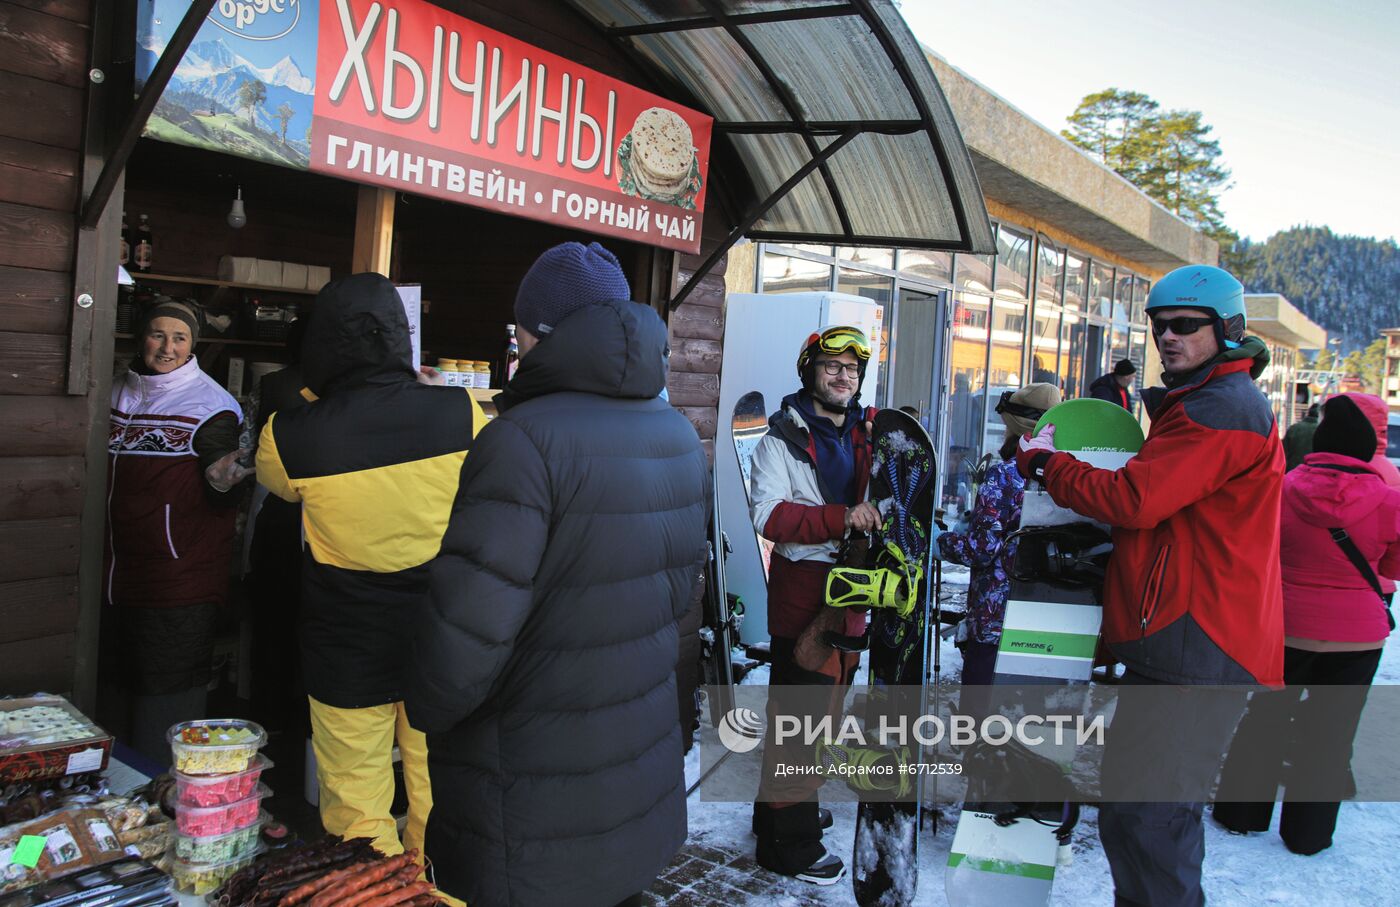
202, 878
205, 821
215, 746
217, 790
218, 848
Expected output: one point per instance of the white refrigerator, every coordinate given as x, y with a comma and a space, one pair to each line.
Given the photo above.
763, 335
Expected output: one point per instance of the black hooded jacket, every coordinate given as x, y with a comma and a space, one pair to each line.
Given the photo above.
544, 669
375, 462
1107, 388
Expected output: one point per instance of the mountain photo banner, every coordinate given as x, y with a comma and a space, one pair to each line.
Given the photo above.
411, 97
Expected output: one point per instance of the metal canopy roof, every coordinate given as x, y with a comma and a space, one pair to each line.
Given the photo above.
830, 126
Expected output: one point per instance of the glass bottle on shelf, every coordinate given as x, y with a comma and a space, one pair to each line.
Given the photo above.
509, 359
144, 245
124, 256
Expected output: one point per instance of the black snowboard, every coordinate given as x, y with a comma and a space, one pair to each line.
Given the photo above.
885, 862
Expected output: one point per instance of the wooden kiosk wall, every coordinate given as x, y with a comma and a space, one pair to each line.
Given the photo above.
45, 419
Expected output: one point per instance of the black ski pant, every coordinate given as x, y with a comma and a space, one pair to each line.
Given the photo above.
785, 817
1312, 736
1158, 753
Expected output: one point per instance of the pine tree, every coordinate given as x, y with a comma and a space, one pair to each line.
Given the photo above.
1109, 124
1182, 170
1169, 155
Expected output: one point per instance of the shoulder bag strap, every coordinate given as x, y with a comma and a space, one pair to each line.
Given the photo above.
1358, 561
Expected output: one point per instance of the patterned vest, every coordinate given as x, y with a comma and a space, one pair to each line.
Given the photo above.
167, 544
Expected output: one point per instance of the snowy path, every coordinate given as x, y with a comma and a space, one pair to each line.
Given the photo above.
1359, 870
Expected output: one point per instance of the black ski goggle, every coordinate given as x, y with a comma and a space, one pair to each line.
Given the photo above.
1004, 405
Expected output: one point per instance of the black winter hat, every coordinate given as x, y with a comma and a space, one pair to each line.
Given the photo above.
1125, 367
1345, 430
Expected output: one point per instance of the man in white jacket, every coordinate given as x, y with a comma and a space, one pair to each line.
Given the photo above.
808, 484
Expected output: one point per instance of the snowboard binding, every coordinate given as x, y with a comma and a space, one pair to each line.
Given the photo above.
1073, 554
877, 770
877, 587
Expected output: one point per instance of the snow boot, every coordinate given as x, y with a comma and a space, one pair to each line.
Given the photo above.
789, 843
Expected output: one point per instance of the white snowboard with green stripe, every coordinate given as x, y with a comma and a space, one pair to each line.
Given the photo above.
1046, 638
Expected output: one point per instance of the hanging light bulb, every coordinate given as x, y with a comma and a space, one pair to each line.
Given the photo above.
237, 217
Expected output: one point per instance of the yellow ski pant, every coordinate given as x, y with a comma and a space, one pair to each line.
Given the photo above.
355, 773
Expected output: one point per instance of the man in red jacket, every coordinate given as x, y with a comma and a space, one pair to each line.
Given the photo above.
1192, 595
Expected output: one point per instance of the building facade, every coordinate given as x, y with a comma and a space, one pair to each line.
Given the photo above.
1289, 335
1390, 387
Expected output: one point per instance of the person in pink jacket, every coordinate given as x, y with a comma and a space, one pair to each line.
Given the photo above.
1377, 413
1335, 625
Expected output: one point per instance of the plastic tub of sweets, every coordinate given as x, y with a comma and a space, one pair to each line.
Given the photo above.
218, 848
215, 746
202, 878
206, 821
216, 790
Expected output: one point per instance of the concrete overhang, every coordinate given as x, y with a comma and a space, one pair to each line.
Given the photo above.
1273, 317
1024, 165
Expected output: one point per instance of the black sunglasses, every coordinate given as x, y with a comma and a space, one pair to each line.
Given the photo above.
1181, 325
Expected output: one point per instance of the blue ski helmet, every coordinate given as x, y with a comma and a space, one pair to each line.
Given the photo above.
1211, 290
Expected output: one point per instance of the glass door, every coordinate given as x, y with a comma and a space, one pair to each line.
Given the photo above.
917, 327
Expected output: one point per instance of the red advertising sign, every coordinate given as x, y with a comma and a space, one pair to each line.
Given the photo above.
414, 98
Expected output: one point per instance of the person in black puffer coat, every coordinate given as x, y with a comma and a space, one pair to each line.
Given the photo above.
544, 669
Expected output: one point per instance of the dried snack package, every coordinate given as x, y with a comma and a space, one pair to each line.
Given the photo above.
73, 840
200, 822
202, 878
218, 848
216, 790
215, 746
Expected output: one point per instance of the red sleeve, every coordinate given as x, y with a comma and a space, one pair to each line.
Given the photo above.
805, 524
1172, 471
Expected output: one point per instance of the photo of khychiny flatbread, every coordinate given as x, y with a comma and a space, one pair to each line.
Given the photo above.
663, 153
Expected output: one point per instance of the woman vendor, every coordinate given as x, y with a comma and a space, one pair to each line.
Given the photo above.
172, 467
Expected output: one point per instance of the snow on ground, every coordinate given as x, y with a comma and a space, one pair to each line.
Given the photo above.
1359, 870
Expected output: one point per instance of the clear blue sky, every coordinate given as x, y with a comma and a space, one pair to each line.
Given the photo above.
1304, 97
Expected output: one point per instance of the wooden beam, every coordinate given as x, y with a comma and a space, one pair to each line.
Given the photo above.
115, 164
374, 230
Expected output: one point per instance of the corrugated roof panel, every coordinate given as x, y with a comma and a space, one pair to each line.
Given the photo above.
828, 66
770, 160
710, 65
802, 73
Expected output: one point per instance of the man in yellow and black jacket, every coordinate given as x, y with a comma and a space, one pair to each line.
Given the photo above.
375, 462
